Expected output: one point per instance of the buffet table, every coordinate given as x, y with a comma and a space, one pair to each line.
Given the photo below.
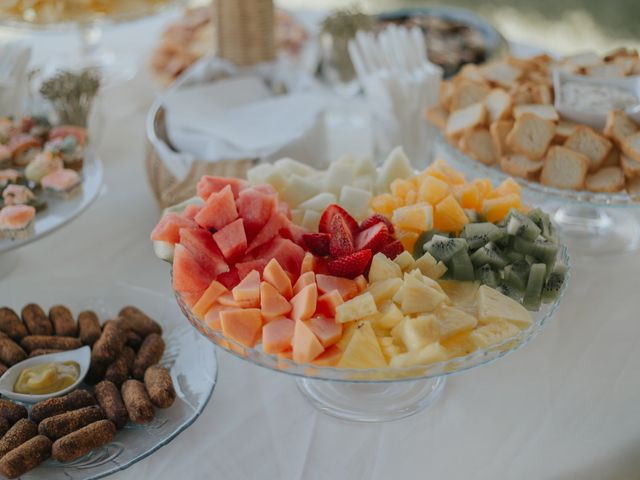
566, 406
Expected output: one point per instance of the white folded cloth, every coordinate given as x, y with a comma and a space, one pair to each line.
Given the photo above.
14, 61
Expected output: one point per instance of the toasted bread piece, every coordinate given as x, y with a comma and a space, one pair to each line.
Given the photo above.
444, 94
465, 93
519, 165
540, 78
613, 159
586, 141
501, 73
543, 94
630, 166
499, 131
498, 104
621, 52
470, 71
606, 180
564, 168
531, 136
477, 143
472, 116
631, 146
583, 59
610, 70
543, 111
619, 126
437, 115
633, 189
564, 129
524, 93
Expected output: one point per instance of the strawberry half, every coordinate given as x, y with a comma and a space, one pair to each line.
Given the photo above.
332, 211
392, 249
374, 238
350, 266
341, 241
317, 243
376, 218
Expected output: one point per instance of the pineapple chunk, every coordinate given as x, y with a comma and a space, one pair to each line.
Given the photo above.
494, 306
389, 316
396, 165
432, 353
355, 201
358, 307
428, 281
417, 297
363, 350
382, 268
462, 294
390, 348
397, 298
430, 267
405, 261
416, 332
319, 202
347, 332
493, 333
384, 289
453, 321
459, 345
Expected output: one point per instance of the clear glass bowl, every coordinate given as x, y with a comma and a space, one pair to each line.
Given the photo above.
588, 220
383, 393
193, 368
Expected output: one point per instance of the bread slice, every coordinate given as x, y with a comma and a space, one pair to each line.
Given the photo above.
619, 126
564, 168
501, 73
519, 165
499, 131
470, 71
583, 59
586, 141
444, 94
543, 94
630, 167
437, 115
610, 70
633, 189
472, 116
613, 159
478, 144
524, 93
631, 146
531, 136
606, 180
543, 111
498, 104
564, 129
465, 93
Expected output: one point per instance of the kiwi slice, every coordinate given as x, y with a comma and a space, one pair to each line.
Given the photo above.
533, 292
487, 276
544, 250
473, 215
542, 220
520, 225
512, 256
517, 274
509, 291
479, 234
444, 248
491, 255
418, 249
460, 267
552, 287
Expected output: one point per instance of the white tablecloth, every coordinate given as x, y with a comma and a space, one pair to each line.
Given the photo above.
565, 407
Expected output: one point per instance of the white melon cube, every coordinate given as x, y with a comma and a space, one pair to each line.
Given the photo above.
319, 202
289, 166
311, 220
297, 190
297, 215
365, 166
355, 201
347, 159
365, 182
396, 165
267, 173
339, 175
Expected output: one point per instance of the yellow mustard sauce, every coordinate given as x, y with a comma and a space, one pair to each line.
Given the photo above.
47, 378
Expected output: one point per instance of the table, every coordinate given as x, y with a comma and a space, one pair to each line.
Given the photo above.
567, 406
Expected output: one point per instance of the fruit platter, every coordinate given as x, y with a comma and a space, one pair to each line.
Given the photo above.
48, 176
431, 275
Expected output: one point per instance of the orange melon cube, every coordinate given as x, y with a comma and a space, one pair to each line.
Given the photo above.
277, 335
449, 216
248, 290
276, 276
191, 298
407, 238
329, 358
227, 300
242, 325
385, 204
470, 197
306, 345
346, 287
305, 279
327, 303
309, 263
432, 190
272, 304
212, 318
361, 282
411, 197
326, 329
304, 302
495, 209
208, 298
507, 187
483, 185
400, 188
451, 175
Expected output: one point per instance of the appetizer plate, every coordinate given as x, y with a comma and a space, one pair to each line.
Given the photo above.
193, 367
59, 211
382, 394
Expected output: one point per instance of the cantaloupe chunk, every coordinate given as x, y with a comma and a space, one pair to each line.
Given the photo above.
309, 263
433, 190
277, 335
495, 209
248, 290
304, 302
208, 298
227, 300
272, 304
242, 325
483, 185
470, 197
212, 317
329, 358
326, 329
304, 280
306, 345
327, 303
345, 286
507, 187
276, 276
449, 216
407, 238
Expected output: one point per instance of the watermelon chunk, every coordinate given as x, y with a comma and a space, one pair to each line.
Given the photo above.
255, 208
287, 254
346, 287
208, 185
231, 239
328, 302
188, 274
285, 209
219, 211
168, 228
266, 188
270, 230
294, 232
200, 244
190, 211
245, 267
229, 279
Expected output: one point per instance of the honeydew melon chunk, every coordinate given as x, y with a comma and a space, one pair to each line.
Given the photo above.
365, 182
365, 166
297, 190
339, 175
417, 332
319, 202
259, 173
432, 353
396, 165
297, 215
347, 159
355, 201
290, 166
311, 220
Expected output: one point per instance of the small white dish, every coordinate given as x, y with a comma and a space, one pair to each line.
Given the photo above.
593, 118
80, 355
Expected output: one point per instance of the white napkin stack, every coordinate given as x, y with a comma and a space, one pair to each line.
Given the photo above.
14, 60
399, 83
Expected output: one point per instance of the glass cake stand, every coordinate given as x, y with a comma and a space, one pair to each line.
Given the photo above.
376, 395
591, 223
